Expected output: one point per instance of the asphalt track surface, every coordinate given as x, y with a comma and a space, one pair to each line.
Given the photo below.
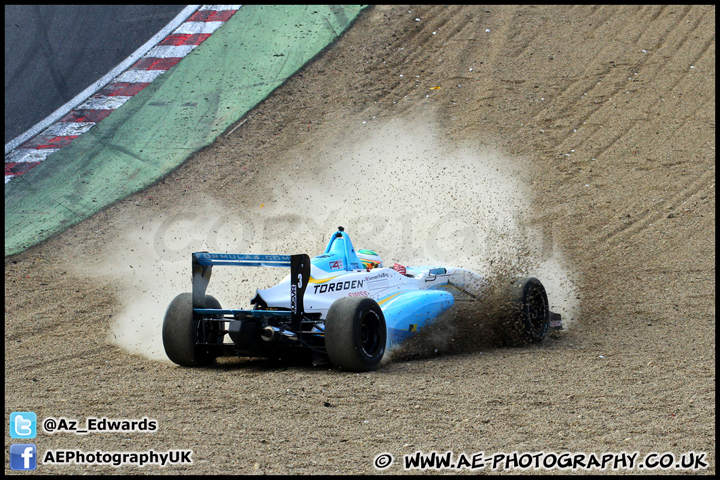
53, 52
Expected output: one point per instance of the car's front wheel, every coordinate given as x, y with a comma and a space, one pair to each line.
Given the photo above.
355, 334
529, 311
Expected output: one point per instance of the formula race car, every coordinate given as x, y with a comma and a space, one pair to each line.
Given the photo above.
344, 306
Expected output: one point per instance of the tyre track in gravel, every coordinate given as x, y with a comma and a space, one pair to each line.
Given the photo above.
420, 48
635, 372
625, 231
28, 364
626, 80
613, 80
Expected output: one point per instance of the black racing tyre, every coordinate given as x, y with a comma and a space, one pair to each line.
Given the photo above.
355, 334
529, 311
180, 333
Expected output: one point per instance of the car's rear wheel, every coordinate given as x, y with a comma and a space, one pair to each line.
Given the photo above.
355, 334
180, 333
529, 311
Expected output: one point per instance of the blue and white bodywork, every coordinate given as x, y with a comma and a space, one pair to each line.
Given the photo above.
344, 306
408, 301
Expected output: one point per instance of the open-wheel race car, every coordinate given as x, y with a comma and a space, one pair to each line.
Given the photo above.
344, 306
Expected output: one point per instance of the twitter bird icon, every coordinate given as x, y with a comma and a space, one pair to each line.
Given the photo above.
23, 425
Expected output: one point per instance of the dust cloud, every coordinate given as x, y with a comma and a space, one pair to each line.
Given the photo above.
400, 189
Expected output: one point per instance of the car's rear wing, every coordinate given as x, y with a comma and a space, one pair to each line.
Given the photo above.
202, 263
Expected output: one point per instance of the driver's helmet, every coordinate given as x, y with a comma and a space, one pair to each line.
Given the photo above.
370, 259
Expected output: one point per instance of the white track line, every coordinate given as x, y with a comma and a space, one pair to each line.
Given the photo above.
83, 96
